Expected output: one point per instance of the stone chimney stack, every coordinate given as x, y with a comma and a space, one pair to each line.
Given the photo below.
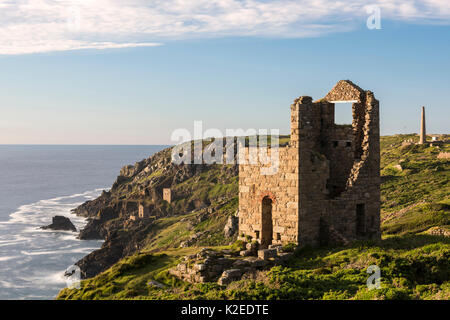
423, 132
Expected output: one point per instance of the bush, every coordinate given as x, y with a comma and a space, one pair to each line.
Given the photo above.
290, 247
238, 245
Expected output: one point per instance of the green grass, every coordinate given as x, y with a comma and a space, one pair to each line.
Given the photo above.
168, 233
422, 185
419, 219
412, 267
127, 279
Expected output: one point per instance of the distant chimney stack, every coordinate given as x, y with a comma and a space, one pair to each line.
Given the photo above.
423, 132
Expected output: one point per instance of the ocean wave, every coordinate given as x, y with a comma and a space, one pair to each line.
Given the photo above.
8, 258
9, 285
33, 260
38, 212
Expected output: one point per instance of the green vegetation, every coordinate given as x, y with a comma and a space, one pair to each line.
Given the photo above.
415, 193
414, 262
412, 267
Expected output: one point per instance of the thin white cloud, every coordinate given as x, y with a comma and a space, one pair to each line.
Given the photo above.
32, 26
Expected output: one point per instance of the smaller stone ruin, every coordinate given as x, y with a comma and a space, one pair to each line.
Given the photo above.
226, 266
167, 195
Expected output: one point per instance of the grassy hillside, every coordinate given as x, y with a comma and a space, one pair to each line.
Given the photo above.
413, 254
415, 189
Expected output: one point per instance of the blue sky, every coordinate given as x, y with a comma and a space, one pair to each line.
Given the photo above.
131, 91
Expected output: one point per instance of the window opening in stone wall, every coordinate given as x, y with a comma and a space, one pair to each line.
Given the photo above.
360, 219
343, 113
267, 227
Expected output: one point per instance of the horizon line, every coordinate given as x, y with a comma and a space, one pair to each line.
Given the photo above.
162, 144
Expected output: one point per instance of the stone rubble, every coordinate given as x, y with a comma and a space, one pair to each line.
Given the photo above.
225, 266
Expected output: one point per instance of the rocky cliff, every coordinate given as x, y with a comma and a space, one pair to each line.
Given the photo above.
200, 193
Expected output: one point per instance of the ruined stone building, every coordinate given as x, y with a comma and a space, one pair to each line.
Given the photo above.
327, 187
143, 211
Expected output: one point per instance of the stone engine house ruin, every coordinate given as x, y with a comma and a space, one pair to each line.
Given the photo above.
327, 187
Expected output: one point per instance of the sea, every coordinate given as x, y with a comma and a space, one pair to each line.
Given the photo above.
38, 182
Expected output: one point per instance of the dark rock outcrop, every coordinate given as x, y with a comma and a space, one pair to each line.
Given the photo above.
94, 230
61, 223
118, 244
100, 225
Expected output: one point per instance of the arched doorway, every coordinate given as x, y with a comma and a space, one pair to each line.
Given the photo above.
266, 222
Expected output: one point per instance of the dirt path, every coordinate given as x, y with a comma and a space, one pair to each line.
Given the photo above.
401, 212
